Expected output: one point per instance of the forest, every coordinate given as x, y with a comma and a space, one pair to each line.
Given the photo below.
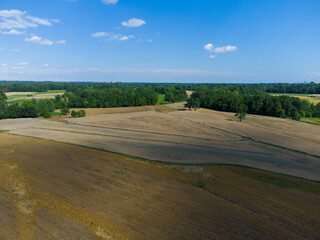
248, 98
253, 101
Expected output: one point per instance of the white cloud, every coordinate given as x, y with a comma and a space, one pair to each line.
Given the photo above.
133, 22
61, 42
150, 40
34, 39
39, 20
125, 38
15, 50
109, 1
94, 69
13, 32
45, 65
22, 64
38, 40
1, 48
18, 67
4, 64
16, 19
109, 36
228, 48
46, 42
55, 20
208, 47
100, 34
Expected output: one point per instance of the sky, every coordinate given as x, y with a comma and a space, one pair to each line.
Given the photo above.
212, 41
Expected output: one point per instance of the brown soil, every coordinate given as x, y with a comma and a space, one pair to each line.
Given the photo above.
195, 137
53, 190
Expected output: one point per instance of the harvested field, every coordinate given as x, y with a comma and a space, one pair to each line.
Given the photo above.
103, 111
189, 137
20, 96
80, 193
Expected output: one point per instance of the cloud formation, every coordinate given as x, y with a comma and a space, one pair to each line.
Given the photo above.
16, 19
13, 32
133, 22
228, 48
109, 36
38, 40
210, 48
109, 1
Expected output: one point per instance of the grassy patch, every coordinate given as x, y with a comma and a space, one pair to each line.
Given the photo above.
279, 180
201, 183
16, 101
12, 97
311, 120
161, 100
50, 92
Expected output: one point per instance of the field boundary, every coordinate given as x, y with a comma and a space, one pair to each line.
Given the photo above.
141, 159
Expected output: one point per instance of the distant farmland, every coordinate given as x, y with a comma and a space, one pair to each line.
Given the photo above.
20, 97
312, 98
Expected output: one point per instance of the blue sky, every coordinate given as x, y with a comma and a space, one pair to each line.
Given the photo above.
245, 41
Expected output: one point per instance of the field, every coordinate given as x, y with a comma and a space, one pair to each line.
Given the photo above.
171, 134
80, 193
311, 120
161, 100
20, 97
159, 172
312, 98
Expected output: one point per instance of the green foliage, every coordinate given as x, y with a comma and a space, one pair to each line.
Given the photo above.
65, 110
47, 115
161, 99
80, 113
241, 113
201, 183
193, 103
254, 102
172, 95
74, 113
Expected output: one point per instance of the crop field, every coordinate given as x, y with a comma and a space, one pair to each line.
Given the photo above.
188, 137
81, 193
20, 97
312, 98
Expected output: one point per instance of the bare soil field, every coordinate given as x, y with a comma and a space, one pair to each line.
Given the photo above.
281, 132
51, 190
103, 111
188, 137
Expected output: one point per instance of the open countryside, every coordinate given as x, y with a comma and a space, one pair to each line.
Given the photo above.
159, 120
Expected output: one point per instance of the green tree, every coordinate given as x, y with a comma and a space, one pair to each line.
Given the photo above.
242, 112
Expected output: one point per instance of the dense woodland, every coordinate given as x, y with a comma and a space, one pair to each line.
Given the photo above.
253, 101
248, 98
161, 88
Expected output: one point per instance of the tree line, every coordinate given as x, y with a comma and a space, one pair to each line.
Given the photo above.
253, 102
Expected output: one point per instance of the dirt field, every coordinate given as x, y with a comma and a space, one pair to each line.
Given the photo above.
51, 190
193, 137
